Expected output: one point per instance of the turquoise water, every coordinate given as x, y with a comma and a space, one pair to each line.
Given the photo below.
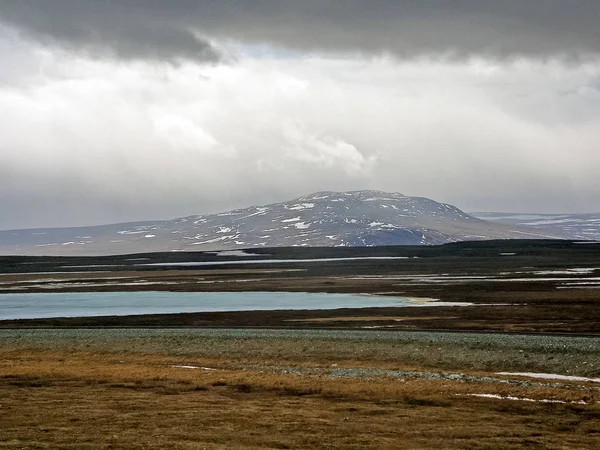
42, 305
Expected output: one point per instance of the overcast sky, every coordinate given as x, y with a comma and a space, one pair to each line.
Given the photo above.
122, 110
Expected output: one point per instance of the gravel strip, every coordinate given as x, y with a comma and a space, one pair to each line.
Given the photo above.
444, 351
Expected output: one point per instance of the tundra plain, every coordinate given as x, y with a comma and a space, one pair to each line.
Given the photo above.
414, 377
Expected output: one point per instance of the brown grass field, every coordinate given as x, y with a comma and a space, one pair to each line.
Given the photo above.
68, 397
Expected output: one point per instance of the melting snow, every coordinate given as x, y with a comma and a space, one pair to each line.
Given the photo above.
211, 241
550, 376
301, 206
379, 199
233, 253
586, 270
192, 367
522, 399
550, 222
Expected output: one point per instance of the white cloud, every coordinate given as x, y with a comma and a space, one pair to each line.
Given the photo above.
89, 141
324, 151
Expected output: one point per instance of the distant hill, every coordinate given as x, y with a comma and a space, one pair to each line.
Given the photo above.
358, 218
572, 226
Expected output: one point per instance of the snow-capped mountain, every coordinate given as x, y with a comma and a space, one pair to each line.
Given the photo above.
358, 218
573, 226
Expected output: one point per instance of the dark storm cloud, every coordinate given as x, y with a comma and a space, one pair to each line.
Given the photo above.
125, 30
169, 29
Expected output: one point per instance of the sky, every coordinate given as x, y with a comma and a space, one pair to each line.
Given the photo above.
124, 110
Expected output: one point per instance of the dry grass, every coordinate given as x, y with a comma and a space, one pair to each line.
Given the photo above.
79, 399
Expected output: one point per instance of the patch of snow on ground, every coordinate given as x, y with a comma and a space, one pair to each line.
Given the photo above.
466, 279
192, 367
234, 253
150, 236
434, 302
550, 222
89, 266
596, 286
294, 219
380, 199
585, 270
550, 376
522, 399
302, 225
211, 241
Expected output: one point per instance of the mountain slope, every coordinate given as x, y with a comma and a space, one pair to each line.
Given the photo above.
573, 226
358, 218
